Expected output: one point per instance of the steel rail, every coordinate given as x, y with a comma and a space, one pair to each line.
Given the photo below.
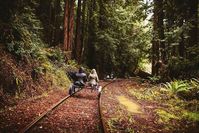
104, 129
36, 120
40, 117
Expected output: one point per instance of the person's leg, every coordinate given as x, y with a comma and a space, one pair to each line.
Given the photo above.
71, 90
79, 85
96, 86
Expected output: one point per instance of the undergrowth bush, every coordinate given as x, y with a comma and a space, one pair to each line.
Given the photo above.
184, 89
184, 68
56, 55
22, 37
173, 108
154, 79
177, 86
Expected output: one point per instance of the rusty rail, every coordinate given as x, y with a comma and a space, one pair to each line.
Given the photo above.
30, 125
40, 117
100, 109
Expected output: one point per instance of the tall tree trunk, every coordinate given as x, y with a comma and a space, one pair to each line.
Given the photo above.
66, 23
169, 25
193, 32
158, 28
102, 15
102, 26
83, 32
180, 10
86, 33
52, 24
57, 23
91, 56
181, 43
78, 45
71, 23
50, 21
161, 31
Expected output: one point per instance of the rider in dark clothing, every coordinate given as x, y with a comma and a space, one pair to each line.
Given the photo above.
79, 82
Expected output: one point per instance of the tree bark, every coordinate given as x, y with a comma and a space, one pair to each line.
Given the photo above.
78, 45
158, 46
180, 9
91, 56
102, 13
57, 23
83, 32
71, 24
161, 31
66, 23
169, 14
193, 32
155, 54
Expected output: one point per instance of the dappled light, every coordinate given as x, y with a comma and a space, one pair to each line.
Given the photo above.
129, 104
113, 66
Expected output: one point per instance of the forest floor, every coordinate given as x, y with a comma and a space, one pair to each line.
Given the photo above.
135, 106
78, 114
127, 106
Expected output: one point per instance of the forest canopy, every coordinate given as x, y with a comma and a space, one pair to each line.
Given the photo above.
112, 36
145, 53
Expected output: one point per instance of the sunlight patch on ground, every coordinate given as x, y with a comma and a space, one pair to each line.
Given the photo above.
130, 105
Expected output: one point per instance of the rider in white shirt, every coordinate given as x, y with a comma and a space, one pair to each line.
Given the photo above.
93, 79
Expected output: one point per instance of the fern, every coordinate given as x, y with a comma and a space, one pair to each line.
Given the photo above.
177, 86
194, 83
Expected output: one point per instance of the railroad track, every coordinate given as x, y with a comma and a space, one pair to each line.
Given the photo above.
100, 109
53, 107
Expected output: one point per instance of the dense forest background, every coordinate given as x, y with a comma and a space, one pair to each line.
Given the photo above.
42, 39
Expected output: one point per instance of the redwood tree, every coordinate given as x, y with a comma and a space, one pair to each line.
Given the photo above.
68, 24
192, 17
77, 51
158, 43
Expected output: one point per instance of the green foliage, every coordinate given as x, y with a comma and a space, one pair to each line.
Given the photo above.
23, 36
154, 79
169, 109
179, 67
72, 63
18, 81
39, 70
47, 66
16, 48
194, 89
177, 86
194, 83
56, 54
165, 117
112, 122
184, 89
194, 116
139, 94
151, 94
59, 78
180, 23
107, 44
123, 37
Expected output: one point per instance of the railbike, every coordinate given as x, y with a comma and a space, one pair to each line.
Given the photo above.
76, 85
